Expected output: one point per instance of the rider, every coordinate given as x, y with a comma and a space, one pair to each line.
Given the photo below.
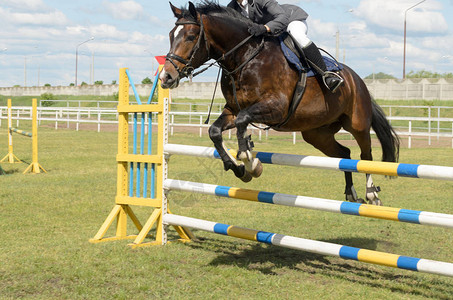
270, 17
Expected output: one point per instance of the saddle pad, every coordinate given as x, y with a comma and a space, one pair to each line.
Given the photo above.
292, 59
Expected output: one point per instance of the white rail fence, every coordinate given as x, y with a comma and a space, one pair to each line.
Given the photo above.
431, 126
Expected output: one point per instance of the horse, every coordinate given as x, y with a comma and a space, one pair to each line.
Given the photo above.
258, 85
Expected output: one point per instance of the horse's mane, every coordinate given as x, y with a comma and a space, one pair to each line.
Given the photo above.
212, 7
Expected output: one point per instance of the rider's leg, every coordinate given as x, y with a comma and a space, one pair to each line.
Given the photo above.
298, 30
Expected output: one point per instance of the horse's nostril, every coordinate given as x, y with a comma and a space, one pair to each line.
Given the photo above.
165, 77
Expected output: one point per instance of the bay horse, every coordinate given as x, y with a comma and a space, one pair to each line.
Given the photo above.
258, 85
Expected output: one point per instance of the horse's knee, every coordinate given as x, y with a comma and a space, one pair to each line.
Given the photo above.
215, 134
243, 119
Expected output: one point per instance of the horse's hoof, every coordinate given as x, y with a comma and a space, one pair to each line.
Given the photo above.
375, 201
242, 173
256, 169
359, 200
246, 177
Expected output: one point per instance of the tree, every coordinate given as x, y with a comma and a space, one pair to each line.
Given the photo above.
380, 75
428, 74
147, 81
71, 84
47, 84
83, 83
99, 82
45, 99
113, 81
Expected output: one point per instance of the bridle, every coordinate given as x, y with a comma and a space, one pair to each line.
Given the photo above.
188, 69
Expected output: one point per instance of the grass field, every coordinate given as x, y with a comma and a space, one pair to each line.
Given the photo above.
47, 219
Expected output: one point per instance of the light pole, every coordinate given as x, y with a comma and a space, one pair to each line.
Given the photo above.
77, 55
25, 71
404, 55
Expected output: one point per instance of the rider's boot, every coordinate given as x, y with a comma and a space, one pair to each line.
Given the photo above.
332, 80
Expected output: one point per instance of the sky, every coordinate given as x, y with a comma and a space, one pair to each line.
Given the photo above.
39, 38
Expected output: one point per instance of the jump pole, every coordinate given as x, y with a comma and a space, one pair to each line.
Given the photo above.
334, 206
326, 163
318, 247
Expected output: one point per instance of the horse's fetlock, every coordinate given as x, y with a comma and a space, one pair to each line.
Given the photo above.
246, 144
227, 165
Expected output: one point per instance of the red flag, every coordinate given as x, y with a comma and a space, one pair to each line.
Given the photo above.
160, 59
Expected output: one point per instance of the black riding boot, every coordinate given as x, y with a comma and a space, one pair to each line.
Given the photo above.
332, 80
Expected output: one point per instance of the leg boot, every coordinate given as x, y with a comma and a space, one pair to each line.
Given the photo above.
332, 80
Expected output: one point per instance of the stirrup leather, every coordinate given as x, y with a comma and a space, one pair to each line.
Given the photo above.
335, 88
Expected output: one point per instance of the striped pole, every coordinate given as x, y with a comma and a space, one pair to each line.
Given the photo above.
349, 208
323, 248
21, 132
328, 163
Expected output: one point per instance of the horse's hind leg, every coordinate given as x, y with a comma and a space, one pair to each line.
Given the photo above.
323, 139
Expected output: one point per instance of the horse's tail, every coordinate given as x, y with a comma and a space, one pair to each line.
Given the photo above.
387, 136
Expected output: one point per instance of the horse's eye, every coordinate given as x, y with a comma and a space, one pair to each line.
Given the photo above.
191, 38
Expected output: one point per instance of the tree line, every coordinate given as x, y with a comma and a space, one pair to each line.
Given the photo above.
411, 75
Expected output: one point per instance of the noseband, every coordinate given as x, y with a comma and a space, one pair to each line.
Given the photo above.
188, 69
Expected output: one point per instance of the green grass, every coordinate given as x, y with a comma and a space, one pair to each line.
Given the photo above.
47, 219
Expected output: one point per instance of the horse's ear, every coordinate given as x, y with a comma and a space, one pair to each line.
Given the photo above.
176, 11
193, 11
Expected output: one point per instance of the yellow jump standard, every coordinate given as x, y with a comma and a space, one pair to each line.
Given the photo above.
134, 174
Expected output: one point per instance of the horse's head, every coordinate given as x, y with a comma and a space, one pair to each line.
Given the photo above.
185, 53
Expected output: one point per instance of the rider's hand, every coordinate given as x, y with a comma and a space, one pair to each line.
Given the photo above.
257, 29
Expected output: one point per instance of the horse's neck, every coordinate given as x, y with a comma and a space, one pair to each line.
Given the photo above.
223, 36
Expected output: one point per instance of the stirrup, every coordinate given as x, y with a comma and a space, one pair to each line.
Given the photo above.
334, 88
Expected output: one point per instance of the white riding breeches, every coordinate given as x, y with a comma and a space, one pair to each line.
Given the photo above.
298, 30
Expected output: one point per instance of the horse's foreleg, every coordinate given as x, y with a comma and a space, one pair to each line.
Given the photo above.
252, 164
225, 122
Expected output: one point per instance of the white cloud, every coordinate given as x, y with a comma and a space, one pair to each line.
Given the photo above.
106, 31
389, 14
24, 5
318, 29
54, 18
125, 10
